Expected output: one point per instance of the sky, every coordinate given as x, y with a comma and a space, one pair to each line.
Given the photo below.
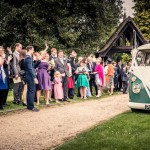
128, 4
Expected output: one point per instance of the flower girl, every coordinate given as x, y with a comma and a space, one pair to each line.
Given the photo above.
58, 89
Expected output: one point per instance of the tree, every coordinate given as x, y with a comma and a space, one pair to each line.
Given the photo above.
68, 24
142, 16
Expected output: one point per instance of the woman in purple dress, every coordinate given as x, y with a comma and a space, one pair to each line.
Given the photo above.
44, 79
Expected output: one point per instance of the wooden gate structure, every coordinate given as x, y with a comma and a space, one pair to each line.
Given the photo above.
126, 37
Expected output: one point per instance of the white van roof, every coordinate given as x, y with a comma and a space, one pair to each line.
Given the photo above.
144, 47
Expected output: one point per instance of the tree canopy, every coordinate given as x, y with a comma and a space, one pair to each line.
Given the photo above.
67, 24
142, 16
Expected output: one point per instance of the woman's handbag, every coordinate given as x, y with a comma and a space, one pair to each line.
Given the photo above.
98, 81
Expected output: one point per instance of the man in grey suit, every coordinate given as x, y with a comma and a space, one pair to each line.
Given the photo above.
16, 69
61, 66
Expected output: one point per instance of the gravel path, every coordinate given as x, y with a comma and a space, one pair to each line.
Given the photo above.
52, 126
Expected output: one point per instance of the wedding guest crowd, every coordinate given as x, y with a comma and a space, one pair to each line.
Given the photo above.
57, 76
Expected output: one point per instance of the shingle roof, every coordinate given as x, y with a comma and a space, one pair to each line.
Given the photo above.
118, 32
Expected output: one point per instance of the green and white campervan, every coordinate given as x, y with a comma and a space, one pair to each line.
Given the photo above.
139, 81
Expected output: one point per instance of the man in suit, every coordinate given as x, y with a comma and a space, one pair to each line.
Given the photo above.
16, 69
30, 78
91, 66
61, 66
120, 72
71, 60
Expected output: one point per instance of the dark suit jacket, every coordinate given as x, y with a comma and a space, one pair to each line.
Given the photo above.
29, 68
93, 66
93, 69
71, 60
62, 68
51, 57
119, 70
52, 70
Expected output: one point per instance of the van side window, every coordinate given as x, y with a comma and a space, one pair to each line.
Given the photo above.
147, 60
140, 58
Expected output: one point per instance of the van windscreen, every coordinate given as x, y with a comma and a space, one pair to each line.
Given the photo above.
143, 58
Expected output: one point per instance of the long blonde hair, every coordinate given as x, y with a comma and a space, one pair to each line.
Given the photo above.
43, 53
57, 73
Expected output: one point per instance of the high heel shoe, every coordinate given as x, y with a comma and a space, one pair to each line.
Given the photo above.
24, 104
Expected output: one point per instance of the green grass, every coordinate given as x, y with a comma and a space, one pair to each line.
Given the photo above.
13, 107
128, 131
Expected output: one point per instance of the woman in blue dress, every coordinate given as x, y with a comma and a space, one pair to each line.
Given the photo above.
82, 82
3, 82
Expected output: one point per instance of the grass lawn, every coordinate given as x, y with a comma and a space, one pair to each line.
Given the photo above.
128, 131
12, 107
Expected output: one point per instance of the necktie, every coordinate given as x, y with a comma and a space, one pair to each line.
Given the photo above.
90, 66
62, 60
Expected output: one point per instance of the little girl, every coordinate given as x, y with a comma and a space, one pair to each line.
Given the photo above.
58, 89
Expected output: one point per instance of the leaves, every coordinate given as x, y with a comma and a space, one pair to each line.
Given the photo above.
142, 17
66, 24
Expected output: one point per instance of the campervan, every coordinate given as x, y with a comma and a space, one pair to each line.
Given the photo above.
139, 80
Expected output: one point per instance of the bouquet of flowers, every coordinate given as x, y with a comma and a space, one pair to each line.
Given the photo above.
51, 64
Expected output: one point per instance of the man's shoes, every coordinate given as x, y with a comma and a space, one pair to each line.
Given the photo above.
6, 105
16, 103
70, 97
19, 103
34, 110
60, 100
65, 100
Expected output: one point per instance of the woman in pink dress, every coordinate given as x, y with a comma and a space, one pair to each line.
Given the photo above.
58, 89
99, 70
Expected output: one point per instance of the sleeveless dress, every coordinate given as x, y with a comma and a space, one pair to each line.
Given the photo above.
58, 89
82, 80
43, 77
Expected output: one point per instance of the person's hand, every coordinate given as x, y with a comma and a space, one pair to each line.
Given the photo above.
9, 50
36, 81
46, 46
16, 77
63, 74
70, 75
94, 72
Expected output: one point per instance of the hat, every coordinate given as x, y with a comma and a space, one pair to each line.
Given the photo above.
109, 59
